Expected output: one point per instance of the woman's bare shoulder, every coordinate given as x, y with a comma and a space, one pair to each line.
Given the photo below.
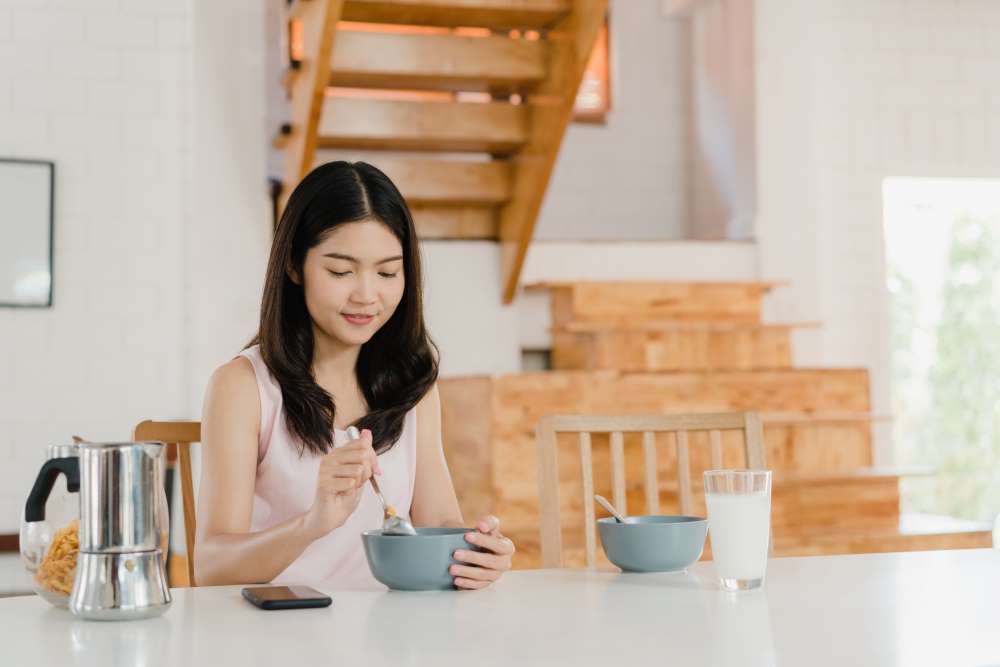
234, 374
235, 384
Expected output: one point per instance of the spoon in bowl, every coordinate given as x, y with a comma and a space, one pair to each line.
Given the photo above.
603, 502
392, 523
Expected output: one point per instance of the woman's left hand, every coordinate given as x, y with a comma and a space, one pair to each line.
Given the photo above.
484, 567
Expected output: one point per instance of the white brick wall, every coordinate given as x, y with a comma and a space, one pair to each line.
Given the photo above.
94, 85
162, 217
879, 88
5, 24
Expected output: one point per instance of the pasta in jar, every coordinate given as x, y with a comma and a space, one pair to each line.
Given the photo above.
58, 567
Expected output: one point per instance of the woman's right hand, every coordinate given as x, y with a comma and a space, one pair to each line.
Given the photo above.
342, 473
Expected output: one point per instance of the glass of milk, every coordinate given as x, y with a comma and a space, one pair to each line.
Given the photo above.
739, 523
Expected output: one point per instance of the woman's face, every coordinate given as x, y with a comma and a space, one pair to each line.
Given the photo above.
353, 280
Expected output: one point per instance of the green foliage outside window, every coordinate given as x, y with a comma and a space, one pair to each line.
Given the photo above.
948, 410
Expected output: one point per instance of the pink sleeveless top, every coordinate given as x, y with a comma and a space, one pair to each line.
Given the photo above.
286, 486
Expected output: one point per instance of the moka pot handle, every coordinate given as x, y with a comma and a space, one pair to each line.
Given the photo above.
34, 508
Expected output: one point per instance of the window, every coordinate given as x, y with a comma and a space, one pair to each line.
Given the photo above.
593, 101
943, 270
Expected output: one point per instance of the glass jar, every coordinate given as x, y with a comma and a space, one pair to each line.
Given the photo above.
49, 546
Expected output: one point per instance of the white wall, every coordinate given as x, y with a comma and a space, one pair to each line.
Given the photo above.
851, 93
101, 88
161, 214
722, 159
786, 229
627, 179
474, 331
229, 239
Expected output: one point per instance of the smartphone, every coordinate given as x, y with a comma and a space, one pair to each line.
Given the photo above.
285, 597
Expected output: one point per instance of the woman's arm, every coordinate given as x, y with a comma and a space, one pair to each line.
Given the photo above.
434, 500
226, 552
435, 504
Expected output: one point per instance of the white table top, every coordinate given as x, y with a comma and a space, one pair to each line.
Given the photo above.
935, 608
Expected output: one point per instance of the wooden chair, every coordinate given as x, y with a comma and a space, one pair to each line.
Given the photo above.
178, 436
680, 425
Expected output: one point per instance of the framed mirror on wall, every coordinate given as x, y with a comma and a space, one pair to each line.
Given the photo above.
27, 196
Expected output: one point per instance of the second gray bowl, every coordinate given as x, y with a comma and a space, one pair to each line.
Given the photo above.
655, 543
415, 562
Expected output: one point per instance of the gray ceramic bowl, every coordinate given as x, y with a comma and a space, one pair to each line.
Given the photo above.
653, 543
415, 562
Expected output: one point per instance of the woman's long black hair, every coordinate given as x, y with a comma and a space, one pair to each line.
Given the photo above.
398, 365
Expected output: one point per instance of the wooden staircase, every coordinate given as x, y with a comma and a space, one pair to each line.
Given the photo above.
696, 327
463, 103
639, 348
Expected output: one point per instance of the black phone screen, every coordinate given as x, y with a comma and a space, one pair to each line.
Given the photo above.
286, 597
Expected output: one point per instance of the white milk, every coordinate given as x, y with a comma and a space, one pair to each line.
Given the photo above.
740, 527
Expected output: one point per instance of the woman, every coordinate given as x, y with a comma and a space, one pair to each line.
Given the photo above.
342, 342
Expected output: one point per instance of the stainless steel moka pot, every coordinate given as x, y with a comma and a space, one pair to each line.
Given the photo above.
120, 571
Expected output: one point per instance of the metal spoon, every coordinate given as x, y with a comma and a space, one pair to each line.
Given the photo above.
392, 523
603, 502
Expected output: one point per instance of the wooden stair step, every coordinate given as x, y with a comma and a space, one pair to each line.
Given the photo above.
484, 13
850, 475
807, 390
678, 326
826, 453
430, 183
816, 446
436, 126
684, 347
816, 442
449, 199
461, 223
800, 418
436, 62
634, 303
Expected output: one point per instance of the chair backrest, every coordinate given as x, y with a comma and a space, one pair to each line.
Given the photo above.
616, 427
178, 436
